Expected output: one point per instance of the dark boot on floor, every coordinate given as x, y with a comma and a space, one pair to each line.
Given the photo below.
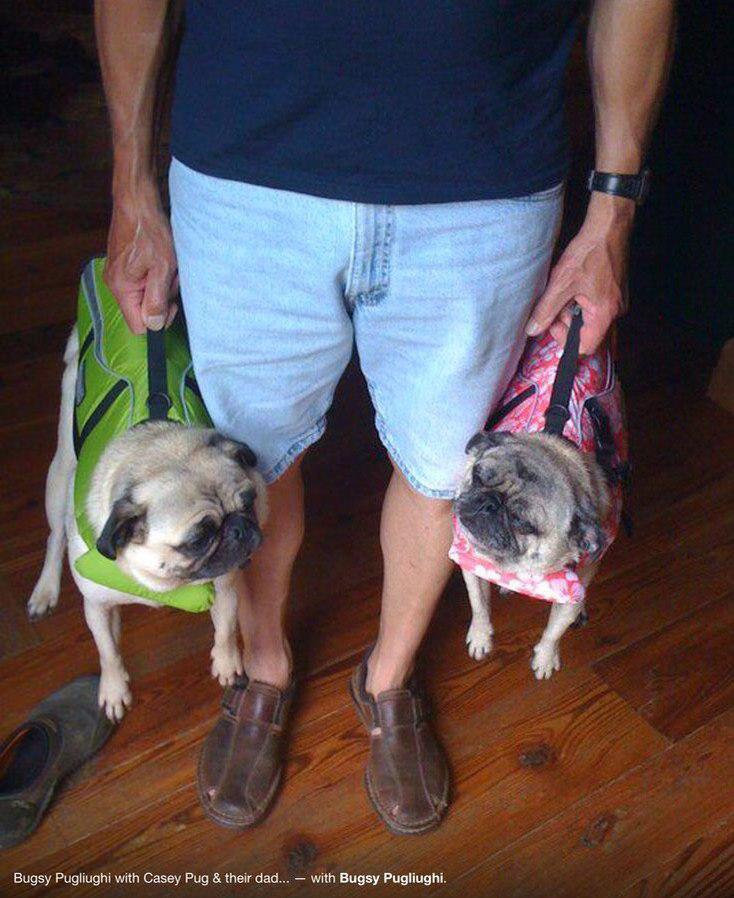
59, 735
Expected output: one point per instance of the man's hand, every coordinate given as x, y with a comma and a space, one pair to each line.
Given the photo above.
133, 42
591, 272
141, 263
630, 45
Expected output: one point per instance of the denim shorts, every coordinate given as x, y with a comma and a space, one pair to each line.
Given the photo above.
278, 287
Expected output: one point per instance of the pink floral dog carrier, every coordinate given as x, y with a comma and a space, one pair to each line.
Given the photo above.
588, 410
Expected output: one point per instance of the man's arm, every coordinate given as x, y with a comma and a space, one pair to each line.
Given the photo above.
630, 45
141, 264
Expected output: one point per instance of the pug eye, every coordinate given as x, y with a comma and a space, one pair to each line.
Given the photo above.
247, 499
200, 543
524, 528
204, 538
482, 476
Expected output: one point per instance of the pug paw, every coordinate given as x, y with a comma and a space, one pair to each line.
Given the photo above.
114, 693
546, 659
479, 640
43, 600
226, 663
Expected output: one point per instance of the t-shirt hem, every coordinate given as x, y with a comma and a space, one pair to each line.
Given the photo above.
355, 191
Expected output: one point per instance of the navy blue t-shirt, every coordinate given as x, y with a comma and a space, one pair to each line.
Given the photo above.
378, 101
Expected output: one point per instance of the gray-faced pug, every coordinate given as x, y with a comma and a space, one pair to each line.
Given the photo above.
533, 503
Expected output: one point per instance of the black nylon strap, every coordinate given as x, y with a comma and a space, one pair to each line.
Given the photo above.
558, 412
615, 471
86, 343
80, 436
504, 410
159, 402
606, 451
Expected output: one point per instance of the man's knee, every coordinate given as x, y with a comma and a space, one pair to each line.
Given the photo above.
436, 508
285, 522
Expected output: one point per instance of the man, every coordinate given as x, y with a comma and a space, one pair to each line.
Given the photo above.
390, 174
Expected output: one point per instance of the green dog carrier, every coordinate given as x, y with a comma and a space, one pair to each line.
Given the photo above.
122, 380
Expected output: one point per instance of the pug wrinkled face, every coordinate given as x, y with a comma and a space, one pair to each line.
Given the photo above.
187, 505
531, 502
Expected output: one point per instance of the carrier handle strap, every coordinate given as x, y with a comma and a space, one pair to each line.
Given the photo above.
558, 406
159, 402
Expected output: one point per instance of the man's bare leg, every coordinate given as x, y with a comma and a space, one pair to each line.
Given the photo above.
415, 533
264, 585
407, 776
241, 761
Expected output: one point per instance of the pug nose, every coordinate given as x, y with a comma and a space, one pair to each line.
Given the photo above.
492, 502
237, 526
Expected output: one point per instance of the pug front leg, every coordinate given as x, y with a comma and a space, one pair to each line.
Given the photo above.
546, 656
479, 635
226, 655
114, 692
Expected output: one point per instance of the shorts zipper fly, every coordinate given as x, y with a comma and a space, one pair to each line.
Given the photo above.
369, 268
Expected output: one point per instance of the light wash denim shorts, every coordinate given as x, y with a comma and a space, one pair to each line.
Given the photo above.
278, 287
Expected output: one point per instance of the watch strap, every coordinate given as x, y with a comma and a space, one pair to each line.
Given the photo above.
631, 187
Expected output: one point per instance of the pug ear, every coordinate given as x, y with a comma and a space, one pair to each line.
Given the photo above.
240, 452
245, 456
486, 439
585, 533
125, 523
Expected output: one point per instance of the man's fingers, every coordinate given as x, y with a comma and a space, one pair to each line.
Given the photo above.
143, 301
127, 291
155, 300
546, 309
596, 323
591, 337
130, 303
566, 314
173, 291
559, 332
172, 309
134, 264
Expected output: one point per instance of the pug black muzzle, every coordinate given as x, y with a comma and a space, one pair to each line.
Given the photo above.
240, 536
484, 516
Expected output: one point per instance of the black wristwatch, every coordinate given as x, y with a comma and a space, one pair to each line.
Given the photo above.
632, 187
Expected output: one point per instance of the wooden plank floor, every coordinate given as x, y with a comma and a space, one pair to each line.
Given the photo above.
612, 779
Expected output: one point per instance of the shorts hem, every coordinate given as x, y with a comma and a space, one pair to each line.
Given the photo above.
299, 446
388, 443
398, 461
